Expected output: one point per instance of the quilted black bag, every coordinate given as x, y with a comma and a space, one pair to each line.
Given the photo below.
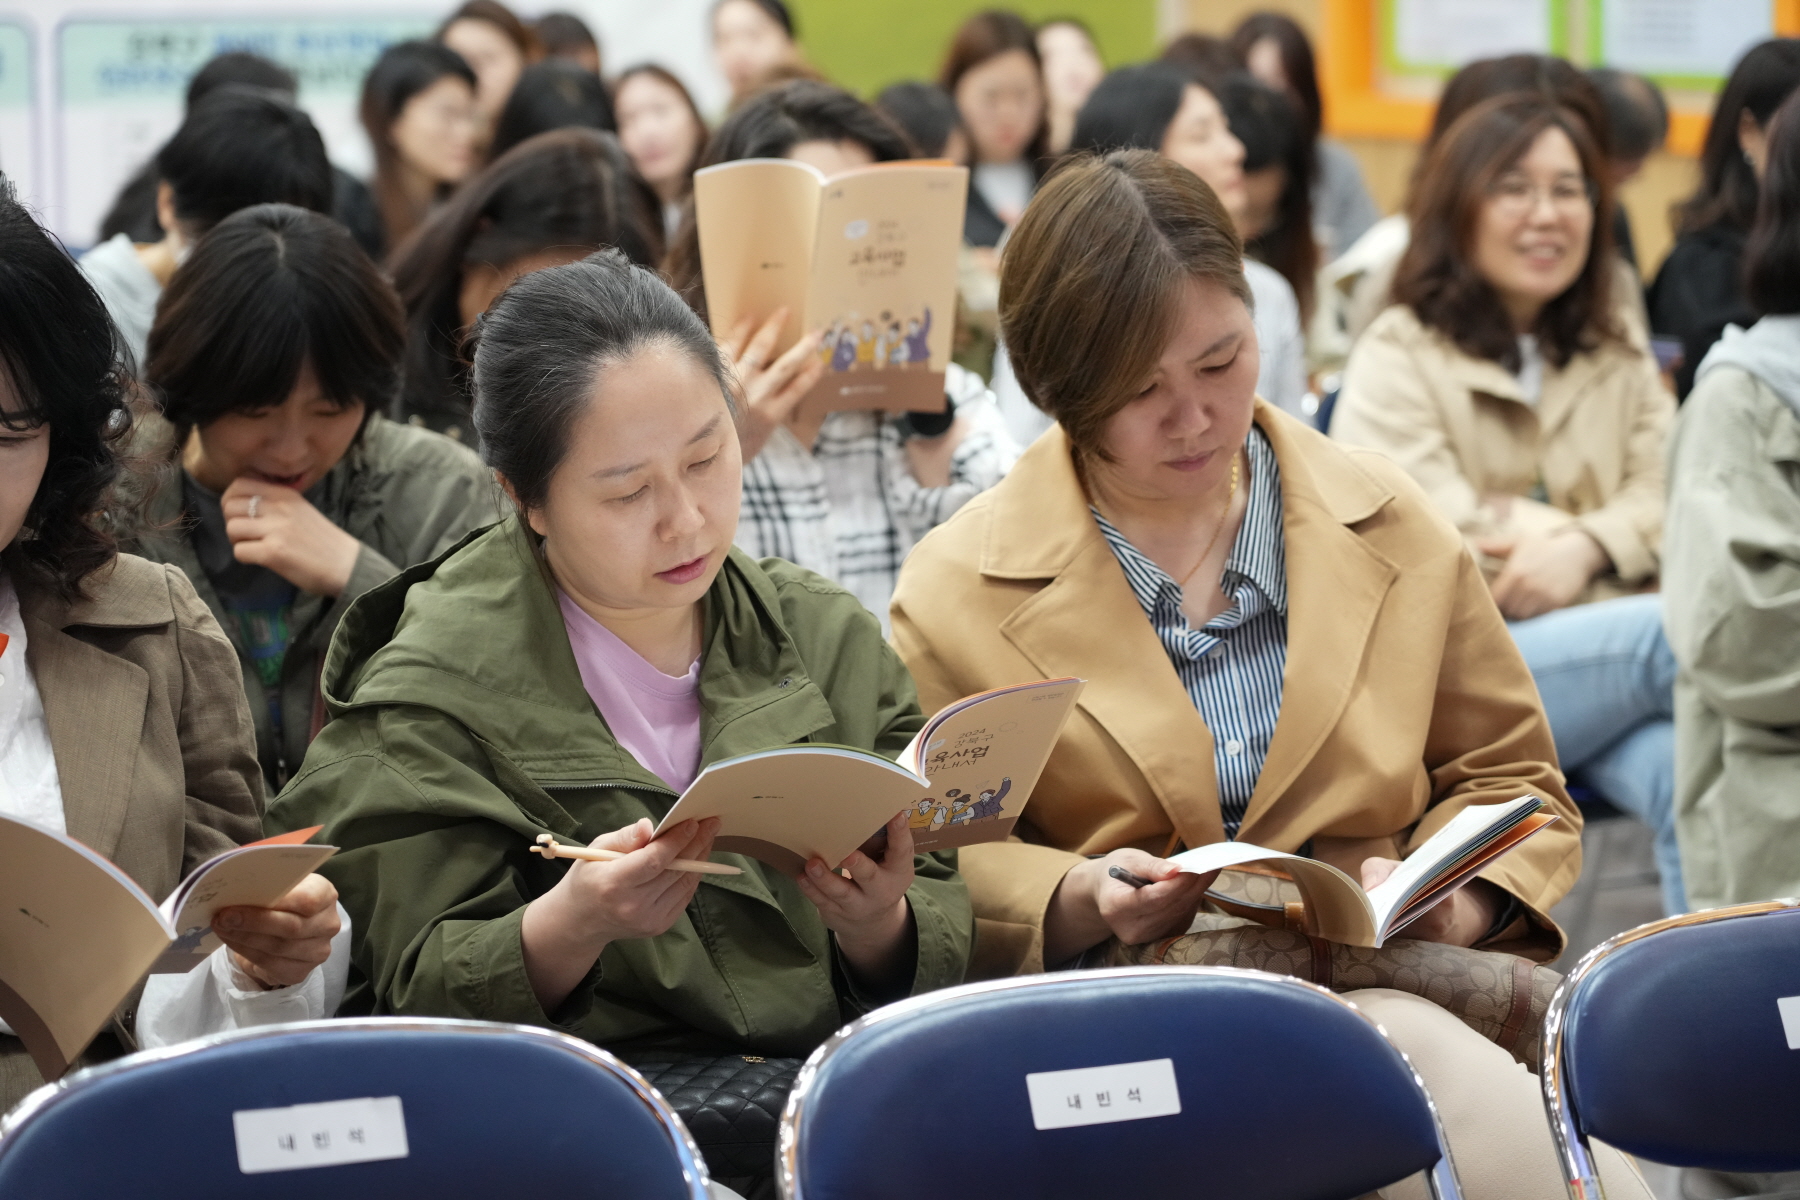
732, 1105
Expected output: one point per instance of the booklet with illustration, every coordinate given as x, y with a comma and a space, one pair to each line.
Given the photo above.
1337, 907
77, 933
869, 256
964, 779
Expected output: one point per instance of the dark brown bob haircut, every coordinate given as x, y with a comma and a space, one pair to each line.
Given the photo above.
1091, 282
1437, 277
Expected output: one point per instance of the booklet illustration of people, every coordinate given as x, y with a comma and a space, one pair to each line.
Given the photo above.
1337, 907
964, 779
77, 933
868, 256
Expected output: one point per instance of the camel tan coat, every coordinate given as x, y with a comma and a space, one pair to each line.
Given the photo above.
1404, 698
1588, 453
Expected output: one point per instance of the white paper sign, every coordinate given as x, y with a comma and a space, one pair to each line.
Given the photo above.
1101, 1095
319, 1135
1789, 1007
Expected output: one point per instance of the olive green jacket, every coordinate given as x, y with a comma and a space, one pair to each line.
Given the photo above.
406, 494
461, 731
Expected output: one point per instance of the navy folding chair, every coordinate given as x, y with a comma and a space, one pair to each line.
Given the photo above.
379, 1106
1679, 1042
1144, 1083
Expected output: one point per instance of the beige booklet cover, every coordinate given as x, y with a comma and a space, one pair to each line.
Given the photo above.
77, 933
869, 256
1337, 907
964, 779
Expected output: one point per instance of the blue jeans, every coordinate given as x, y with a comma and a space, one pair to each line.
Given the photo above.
1607, 679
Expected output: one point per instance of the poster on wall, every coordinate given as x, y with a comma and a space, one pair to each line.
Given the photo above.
1680, 43
18, 126
1435, 36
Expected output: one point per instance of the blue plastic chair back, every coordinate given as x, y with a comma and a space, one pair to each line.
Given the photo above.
1286, 1092
490, 1110
1671, 1042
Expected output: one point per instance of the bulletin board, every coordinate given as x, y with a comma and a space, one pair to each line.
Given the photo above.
1383, 60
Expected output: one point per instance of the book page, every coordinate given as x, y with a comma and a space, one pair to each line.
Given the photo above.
1462, 871
1463, 836
982, 756
257, 874
75, 935
883, 286
1336, 907
758, 220
786, 806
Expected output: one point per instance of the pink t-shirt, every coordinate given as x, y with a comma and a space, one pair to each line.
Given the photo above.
656, 717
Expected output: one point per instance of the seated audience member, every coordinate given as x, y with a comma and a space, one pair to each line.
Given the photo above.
1202, 55
1277, 225
1072, 69
285, 495
498, 46
134, 211
754, 44
1502, 381
1699, 288
237, 147
572, 669
565, 35
1731, 588
121, 720
845, 494
552, 200
993, 73
1158, 106
418, 108
662, 130
553, 94
1283, 643
1275, 49
1638, 118
927, 115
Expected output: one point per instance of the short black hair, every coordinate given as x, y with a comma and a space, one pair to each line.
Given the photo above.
242, 146
59, 351
1772, 253
925, 111
563, 33
539, 349
271, 289
777, 11
1131, 108
244, 69
1635, 110
553, 94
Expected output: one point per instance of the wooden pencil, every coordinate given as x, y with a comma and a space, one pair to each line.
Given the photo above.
549, 847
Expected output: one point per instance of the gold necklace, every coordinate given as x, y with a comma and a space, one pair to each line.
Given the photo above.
1224, 515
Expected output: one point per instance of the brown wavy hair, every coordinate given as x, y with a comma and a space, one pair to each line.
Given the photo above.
1437, 277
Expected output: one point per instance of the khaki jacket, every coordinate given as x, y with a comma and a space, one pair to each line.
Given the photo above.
1404, 698
152, 737
1589, 453
1731, 599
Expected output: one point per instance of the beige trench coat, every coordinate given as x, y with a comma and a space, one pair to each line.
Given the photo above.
1404, 698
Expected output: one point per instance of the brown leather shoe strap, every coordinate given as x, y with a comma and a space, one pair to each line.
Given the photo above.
1521, 1005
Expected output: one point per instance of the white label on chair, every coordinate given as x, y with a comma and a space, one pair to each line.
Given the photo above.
319, 1135
1789, 1007
1100, 1095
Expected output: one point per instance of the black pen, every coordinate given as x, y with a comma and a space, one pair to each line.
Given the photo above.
1124, 876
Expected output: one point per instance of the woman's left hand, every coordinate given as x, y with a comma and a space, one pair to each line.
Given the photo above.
868, 911
1460, 919
289, 536
280, 945
1544, 571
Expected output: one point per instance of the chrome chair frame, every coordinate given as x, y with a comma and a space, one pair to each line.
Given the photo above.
1572, 1152
1442, 1177
693, 1166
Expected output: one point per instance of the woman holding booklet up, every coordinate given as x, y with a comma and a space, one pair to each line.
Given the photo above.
1293, 650
122, 722
568, 672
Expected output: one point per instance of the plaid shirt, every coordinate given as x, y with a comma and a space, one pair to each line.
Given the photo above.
850, 509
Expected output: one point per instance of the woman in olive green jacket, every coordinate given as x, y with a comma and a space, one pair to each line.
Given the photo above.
471, 713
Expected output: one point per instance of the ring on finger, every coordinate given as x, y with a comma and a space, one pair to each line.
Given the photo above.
255, 507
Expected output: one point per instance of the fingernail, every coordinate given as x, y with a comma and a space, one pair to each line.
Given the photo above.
815, 869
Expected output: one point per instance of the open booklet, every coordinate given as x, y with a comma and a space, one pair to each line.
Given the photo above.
963, 779
77, 933
1337, 907
869, 256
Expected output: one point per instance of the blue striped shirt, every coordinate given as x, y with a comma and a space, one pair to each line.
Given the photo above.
1232, 665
